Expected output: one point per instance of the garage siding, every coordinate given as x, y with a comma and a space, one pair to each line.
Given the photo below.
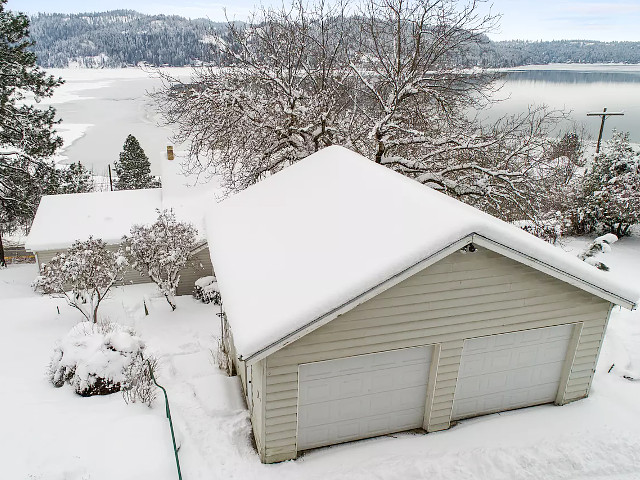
461, 296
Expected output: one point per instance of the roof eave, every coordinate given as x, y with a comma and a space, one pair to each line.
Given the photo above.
351, 304
476, 238
552, 271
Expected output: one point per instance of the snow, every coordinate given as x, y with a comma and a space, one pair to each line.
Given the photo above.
96, 351
188, 195
69, 132
62, 219
204, 281
53, 434
334, 225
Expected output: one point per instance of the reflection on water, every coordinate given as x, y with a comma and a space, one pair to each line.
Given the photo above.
568, 76
578, 91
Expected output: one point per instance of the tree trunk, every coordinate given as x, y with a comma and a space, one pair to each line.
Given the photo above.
3, 262
170, 302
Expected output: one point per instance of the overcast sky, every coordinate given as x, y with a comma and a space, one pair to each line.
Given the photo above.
521, 19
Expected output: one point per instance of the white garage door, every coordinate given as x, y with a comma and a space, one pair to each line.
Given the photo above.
502, 372
363, 396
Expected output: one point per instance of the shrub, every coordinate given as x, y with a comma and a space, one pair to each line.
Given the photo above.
161, 250
98, 359
83, 275
206, 290
139, 385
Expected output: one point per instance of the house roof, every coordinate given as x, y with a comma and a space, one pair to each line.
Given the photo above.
63, 219
314, 240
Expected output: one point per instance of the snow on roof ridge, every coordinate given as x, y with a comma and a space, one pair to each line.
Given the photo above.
319, 233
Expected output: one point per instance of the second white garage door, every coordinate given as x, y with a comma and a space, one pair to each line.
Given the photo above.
363, 396
513, 370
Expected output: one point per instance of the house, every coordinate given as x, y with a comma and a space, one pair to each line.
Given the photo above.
359, 303
62, 219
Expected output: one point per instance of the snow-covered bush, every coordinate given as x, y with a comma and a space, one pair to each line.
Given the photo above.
161, 250
599, 245
83, 275
99, 359
139, 385
611, 187
548, 229
206, 290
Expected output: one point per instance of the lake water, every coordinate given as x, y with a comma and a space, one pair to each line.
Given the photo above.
579, 89
99, 108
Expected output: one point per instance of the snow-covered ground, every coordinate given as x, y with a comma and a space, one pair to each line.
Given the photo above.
53, 434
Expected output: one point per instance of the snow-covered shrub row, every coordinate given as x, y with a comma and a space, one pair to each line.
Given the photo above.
99, 359
206, 290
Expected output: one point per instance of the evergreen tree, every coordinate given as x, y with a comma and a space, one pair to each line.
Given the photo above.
133, 170
27, 134
611, 188
75, 179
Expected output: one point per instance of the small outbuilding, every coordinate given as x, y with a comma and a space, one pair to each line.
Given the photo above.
360, 303
62, 219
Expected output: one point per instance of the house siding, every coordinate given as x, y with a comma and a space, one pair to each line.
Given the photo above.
459, 297
130, 277
199, 266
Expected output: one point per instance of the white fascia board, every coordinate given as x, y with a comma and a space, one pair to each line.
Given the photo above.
350, 305
552, 271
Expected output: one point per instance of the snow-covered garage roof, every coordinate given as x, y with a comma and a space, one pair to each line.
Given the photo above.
308, 242
63, 219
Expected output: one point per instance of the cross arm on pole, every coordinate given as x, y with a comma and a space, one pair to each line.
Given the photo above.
603, 115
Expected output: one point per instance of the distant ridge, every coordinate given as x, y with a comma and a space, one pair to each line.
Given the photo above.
121, 37
125, 37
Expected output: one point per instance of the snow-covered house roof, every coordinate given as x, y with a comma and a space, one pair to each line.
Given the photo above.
63, 219
311, 242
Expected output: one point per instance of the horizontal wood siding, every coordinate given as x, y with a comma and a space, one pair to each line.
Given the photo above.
199, 266
462, 296
131, 276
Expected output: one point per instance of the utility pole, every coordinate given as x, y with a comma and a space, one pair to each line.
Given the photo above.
111, 178
604, 114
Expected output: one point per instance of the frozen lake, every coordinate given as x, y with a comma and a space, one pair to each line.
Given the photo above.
99, 108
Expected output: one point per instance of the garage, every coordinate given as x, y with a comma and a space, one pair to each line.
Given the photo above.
512, 370
372, 304
362, 396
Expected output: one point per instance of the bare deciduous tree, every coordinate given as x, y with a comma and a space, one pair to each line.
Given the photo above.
386, 78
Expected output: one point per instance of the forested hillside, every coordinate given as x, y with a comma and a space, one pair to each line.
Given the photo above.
121, 37
125, 37
513, 53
